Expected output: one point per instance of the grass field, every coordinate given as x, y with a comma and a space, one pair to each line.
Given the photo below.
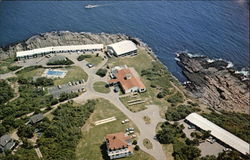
31, 73
100, 87
94, 60
74, 73
89, 147
133, 108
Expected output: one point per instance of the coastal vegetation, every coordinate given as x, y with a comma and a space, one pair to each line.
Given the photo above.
236, 123
82, 57
7, 66
62, 134
101, 87
180, 112
182, 148
6, 92
66, 61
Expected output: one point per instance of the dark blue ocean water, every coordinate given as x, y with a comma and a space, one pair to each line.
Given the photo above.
218, 29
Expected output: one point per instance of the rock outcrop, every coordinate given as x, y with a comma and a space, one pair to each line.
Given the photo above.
62, 38
216, 83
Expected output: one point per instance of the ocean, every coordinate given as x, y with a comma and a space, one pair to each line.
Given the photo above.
218, 29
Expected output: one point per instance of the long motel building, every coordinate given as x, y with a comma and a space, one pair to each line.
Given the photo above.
57, 49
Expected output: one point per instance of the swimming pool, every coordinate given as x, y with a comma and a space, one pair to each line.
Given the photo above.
55, 73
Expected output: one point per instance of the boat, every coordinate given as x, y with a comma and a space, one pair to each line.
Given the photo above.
91, 6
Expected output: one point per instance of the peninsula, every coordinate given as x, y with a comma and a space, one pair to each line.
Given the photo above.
69, 95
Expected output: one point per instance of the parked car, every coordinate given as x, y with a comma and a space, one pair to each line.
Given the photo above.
125, 121
227, 149
134, 136
70, 84
191, 127
59, 86
89, 65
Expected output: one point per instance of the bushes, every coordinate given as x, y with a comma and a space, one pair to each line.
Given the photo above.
6, 92
66, 96
25, 131
183, 151
82, 57
101, 72
176, 98
180, 112
61, 136
169, 133
43, 81
61, 62
13, 68
236, 123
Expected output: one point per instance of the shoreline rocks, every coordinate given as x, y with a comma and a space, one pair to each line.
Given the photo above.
215, 82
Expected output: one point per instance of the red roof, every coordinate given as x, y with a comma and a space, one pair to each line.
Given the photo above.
127, 79
117, 140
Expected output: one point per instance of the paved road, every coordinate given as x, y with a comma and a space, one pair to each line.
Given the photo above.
146, 130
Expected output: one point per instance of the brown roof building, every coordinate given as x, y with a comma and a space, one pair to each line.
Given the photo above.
118, 145
128, 79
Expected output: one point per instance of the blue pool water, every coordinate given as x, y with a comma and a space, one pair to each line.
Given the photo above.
218, 29
55, 73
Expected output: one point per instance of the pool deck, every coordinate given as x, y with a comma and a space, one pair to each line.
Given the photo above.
62, 75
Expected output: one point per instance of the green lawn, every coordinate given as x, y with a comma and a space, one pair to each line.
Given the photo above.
133, 108
100, 87
74, 73
89, 147
94, 60
31, 73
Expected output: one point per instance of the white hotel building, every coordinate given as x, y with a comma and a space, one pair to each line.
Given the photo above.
58, 49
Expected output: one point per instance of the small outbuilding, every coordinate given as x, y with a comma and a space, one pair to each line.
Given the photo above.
36, 118
122, 48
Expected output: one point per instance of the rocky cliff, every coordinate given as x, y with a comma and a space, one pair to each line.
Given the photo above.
61, 38
216, 83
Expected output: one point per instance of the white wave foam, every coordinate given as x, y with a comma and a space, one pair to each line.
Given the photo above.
177, 59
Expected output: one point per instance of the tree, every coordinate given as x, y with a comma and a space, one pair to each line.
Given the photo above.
209, 157
82, 57
2, 130
134, 142
137, 148
102, 72
25, 131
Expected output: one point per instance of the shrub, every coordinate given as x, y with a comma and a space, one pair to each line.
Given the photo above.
180, 112
176, 98
101, 72
6, 92
13, 68
134, 142
61, 62
82, 57
137, 148
66, 96
43, 81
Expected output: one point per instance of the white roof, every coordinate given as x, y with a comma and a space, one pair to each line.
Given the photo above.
219, 133
123, 47
58, 48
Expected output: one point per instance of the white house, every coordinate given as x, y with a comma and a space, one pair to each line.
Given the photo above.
122, 48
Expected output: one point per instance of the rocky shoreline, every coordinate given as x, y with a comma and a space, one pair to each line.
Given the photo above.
59, 38
215, 82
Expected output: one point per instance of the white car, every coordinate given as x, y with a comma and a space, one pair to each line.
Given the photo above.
133, 136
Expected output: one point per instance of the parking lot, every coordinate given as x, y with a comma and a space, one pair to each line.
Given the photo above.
205, 147
77, 86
